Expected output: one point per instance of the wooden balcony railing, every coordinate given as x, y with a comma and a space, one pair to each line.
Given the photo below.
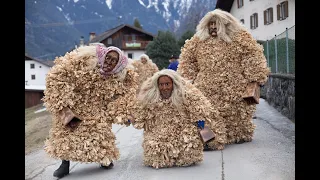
134, 44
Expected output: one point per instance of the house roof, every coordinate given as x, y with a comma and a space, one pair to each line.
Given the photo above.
44, 62
224, 5
110, 32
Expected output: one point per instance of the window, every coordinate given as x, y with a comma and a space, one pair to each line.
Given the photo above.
130, 55
282, 11
268, 16
242, 21
254, 21
133, 36
39, 66
109, 40
240, 3
31, 66
33, 76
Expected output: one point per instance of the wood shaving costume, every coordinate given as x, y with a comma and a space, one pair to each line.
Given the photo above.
78, 82
222, 67
144, 70
171, 136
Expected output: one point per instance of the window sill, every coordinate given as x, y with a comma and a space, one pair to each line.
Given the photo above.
281, 19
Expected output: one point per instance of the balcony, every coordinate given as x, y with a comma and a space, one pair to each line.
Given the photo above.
135, 44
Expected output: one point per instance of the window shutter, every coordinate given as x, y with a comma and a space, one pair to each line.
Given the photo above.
271, 15
238, 3
286, 13
256, 19
251, 26
278, 12
265, 16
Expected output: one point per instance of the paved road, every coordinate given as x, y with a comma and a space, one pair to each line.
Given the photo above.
270, 156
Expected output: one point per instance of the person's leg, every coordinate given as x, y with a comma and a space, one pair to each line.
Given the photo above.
62, 170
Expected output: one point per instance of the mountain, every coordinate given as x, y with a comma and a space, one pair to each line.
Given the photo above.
53, 27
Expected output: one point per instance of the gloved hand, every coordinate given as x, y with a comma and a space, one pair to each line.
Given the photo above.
200, 124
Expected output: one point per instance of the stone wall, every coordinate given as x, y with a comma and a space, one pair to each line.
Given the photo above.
279, 92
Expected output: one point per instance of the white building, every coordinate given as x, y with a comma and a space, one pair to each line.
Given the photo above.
36, 71
35, 83
263, 18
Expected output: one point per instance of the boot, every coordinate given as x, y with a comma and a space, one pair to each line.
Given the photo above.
110, 166
206, 148
240, 142
62, 170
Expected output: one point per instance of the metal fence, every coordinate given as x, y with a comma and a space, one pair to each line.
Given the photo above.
280, 52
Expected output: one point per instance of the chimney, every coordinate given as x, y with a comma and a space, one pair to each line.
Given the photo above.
81, 41
92, 35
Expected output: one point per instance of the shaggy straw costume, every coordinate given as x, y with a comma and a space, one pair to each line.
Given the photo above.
99, 98
144, 70
171, 137
221, 67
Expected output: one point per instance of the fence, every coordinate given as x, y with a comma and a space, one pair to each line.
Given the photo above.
280, 52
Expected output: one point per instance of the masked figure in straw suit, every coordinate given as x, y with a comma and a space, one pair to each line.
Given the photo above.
221, 59
96, 86
169, 109
145, 68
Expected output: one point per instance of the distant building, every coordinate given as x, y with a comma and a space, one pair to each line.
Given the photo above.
131, 40
35, 74
263, 18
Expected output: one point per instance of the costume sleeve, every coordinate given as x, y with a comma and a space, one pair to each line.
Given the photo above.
253, 61
61, 81
60, 84
140, 116
188, 65
197, 105
120, 109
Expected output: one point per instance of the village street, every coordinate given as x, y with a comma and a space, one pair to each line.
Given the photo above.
270, 156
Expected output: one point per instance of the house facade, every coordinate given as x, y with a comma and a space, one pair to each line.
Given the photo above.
131, 40
35, 83
263, 18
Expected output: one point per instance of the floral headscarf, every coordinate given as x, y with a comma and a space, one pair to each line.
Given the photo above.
101, 54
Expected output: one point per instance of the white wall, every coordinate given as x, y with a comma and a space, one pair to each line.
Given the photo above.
264, 32
40, 70
136, 53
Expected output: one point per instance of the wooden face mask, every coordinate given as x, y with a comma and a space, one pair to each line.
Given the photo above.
165, 85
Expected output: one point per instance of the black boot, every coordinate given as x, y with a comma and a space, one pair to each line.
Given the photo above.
240, 142
107, 167
62, 170
206, 148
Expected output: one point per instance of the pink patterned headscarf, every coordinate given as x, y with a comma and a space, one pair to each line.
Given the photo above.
101, 54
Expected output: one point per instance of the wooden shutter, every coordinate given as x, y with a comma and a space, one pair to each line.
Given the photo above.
278, 12
271, 15
256, 19
286, 13
265, 16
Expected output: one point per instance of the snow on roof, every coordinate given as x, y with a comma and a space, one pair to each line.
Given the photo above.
34, 87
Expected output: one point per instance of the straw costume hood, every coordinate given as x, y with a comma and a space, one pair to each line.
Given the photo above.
221, 67
78, 82
144, 70
171, 137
